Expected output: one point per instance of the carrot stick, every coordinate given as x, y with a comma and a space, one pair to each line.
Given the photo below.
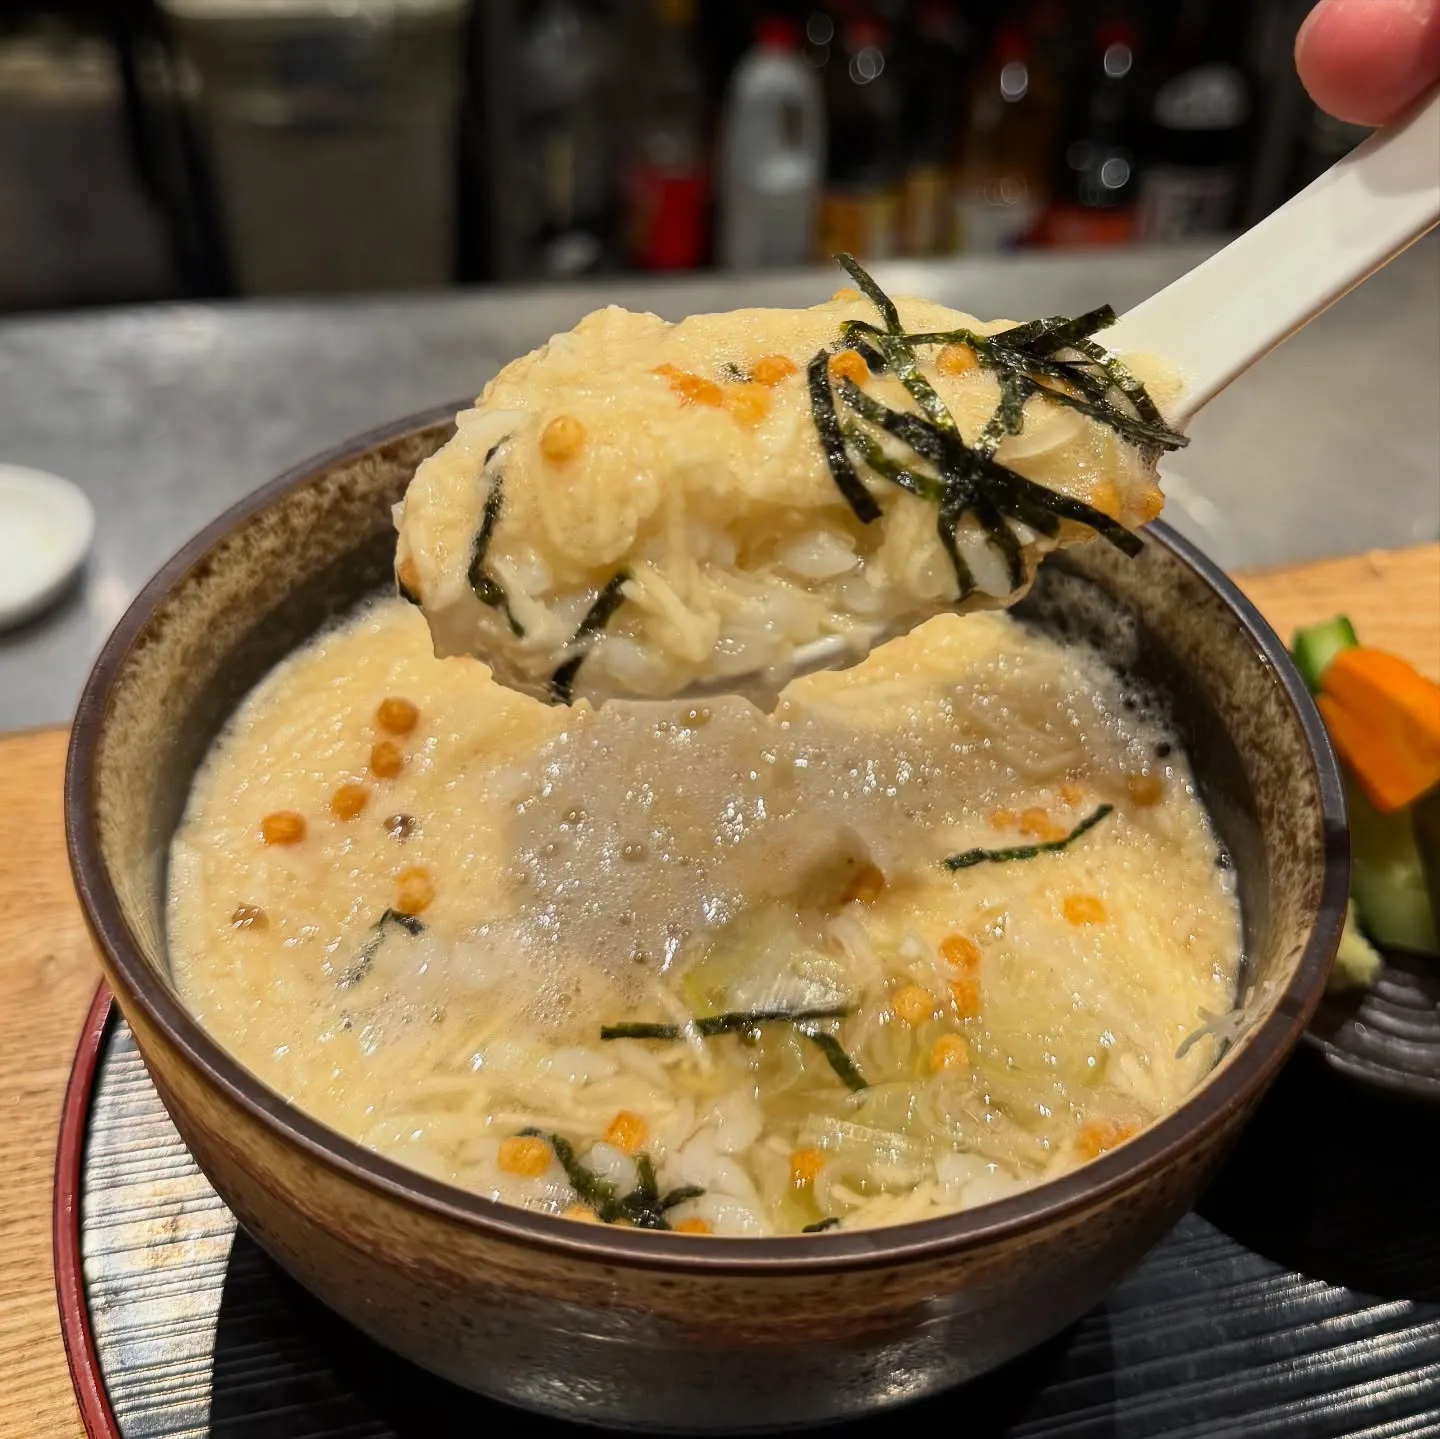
1384, 717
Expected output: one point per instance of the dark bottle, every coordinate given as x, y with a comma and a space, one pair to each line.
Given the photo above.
566, 139
1006, 157
860, 210
936, 65
668, 181
1197, 126
1094, 201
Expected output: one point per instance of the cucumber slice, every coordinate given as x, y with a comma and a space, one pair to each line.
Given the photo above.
1426, 815
1316, 645
1357, 961
1387, 878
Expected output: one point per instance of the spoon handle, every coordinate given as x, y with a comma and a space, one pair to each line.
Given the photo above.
1216, 321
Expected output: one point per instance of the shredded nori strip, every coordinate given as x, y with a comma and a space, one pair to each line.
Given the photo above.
959, 467
1026, 351
645, 1181
865, 283
965, 471
1057, 332
969, 480
593, 1190
680, 1195
945, 524
742, 1022
902, 361
927, 487
875, 362
915, 430
834, 1052
487, 588
641, 1031
643, 1206
832, 442
359, 967
562, 682
1128, 385
1003, 538
732, 1022
971, 857
1023, 492
821, 1225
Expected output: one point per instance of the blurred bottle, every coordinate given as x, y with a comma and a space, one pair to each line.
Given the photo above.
820, 38
860, 211
1054, 43
567, 140
1198, 124
772, 153
668, 182
937, 61
1006, 160
1095, 182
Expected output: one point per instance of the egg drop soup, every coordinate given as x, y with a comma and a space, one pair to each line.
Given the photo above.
940, 927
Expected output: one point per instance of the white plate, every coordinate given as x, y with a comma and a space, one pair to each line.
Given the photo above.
46, 528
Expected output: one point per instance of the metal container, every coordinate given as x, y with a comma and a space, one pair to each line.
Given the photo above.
76, 226
332, 132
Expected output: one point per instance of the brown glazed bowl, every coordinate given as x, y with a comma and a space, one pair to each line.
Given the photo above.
663, 1331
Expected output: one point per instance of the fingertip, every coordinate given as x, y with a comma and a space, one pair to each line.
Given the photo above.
1364, 61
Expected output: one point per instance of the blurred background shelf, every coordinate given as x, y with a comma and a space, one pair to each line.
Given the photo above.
211, 148
359, 209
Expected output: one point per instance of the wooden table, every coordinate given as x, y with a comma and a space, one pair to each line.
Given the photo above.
48, 974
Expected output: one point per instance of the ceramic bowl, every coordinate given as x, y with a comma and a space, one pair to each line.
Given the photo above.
663, 1331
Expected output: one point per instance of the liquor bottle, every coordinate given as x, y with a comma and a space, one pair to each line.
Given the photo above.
567, 142
860, 211
1197, 127
668, 181
1095, 180
936, 64
1006, 158
772, 153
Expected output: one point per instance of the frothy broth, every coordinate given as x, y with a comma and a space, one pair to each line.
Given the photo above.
416, 922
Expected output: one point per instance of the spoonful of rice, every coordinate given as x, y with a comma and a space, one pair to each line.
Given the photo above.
648, 510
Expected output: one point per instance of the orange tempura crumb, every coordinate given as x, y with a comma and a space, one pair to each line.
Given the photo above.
1035, 823
849, 365
1098, 1135
691, 389
285, 826
1084, 909
965, 992
1145, 789
949, 1052
913, 1004
526, 1155
769, 370
805, 1166
627, 1132
963, 953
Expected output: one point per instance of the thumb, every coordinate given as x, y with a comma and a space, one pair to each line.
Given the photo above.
1364, 61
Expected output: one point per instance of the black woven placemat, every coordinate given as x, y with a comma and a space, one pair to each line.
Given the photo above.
1302, 1298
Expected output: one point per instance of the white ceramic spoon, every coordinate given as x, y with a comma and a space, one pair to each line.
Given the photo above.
1215, 322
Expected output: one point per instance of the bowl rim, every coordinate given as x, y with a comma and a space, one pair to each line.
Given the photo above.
1226, 1091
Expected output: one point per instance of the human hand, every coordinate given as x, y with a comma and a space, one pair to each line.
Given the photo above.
1364, 61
